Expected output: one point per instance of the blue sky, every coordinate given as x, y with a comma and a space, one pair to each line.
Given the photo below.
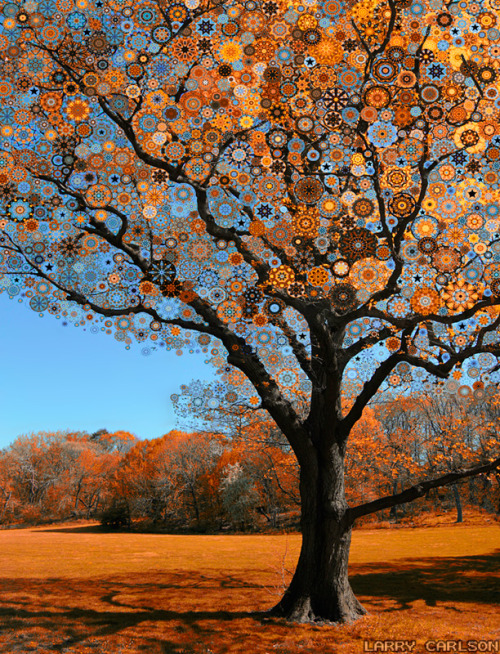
56, 378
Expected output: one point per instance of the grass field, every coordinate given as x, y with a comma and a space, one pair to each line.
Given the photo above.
75, 589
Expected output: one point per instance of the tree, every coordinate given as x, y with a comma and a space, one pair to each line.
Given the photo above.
52, 475
307, 193
418, 435
455, 430
257, 447
167, 479
91, 463
6, 488
143, 480
216, 407
37, 463
369, 462
193, 459
399, 457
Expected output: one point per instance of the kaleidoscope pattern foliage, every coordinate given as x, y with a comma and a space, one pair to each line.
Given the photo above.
276, 180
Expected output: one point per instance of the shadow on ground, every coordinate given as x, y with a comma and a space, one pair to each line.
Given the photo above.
76, 609
459, 579
84, 529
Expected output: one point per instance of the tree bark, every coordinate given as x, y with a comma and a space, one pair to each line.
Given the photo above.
6, 500
458, 503
320, 589
393, 513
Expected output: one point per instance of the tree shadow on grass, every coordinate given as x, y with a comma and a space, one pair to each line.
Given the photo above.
105, 607
108, 623
71, 609
84, 529
461, 579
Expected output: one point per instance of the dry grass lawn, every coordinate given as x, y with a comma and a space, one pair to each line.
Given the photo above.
76, 589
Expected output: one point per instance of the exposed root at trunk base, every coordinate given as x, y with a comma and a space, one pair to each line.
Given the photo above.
301, 612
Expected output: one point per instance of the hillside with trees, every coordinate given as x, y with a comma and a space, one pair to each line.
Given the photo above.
245, 477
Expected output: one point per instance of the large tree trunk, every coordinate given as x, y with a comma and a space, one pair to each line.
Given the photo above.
320, 589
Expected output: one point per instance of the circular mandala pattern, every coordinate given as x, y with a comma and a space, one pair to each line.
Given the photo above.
427, 245
319, 157
357, 244
446, 259
162, 272
19, 210
343, 297
402, 205
229, 311
318, 276
363, 207
399, 307
385, 70
341, 268
460, 296
369, 275
308, 190
98, 195
425, 301
425, 226
430, 93
282, 276
377, 96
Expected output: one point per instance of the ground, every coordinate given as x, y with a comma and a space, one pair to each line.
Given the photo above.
75, 589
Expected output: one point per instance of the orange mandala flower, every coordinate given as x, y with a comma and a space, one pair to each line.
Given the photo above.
425, 301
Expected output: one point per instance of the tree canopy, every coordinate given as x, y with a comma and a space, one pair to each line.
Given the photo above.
255, 173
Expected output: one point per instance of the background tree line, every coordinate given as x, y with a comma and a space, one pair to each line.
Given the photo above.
239, 472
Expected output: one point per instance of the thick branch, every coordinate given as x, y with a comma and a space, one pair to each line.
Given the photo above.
419, 490
243, 358
369, 390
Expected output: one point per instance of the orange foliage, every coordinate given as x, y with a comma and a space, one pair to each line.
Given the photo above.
248, 479
53, 475
167, 478
407, 439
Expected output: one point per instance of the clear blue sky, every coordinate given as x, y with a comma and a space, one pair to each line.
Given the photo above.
56, 378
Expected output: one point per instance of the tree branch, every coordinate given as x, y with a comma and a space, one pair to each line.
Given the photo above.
298, 348
419, 490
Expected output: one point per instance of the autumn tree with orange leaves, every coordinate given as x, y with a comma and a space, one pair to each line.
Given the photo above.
52, 475
307, 193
